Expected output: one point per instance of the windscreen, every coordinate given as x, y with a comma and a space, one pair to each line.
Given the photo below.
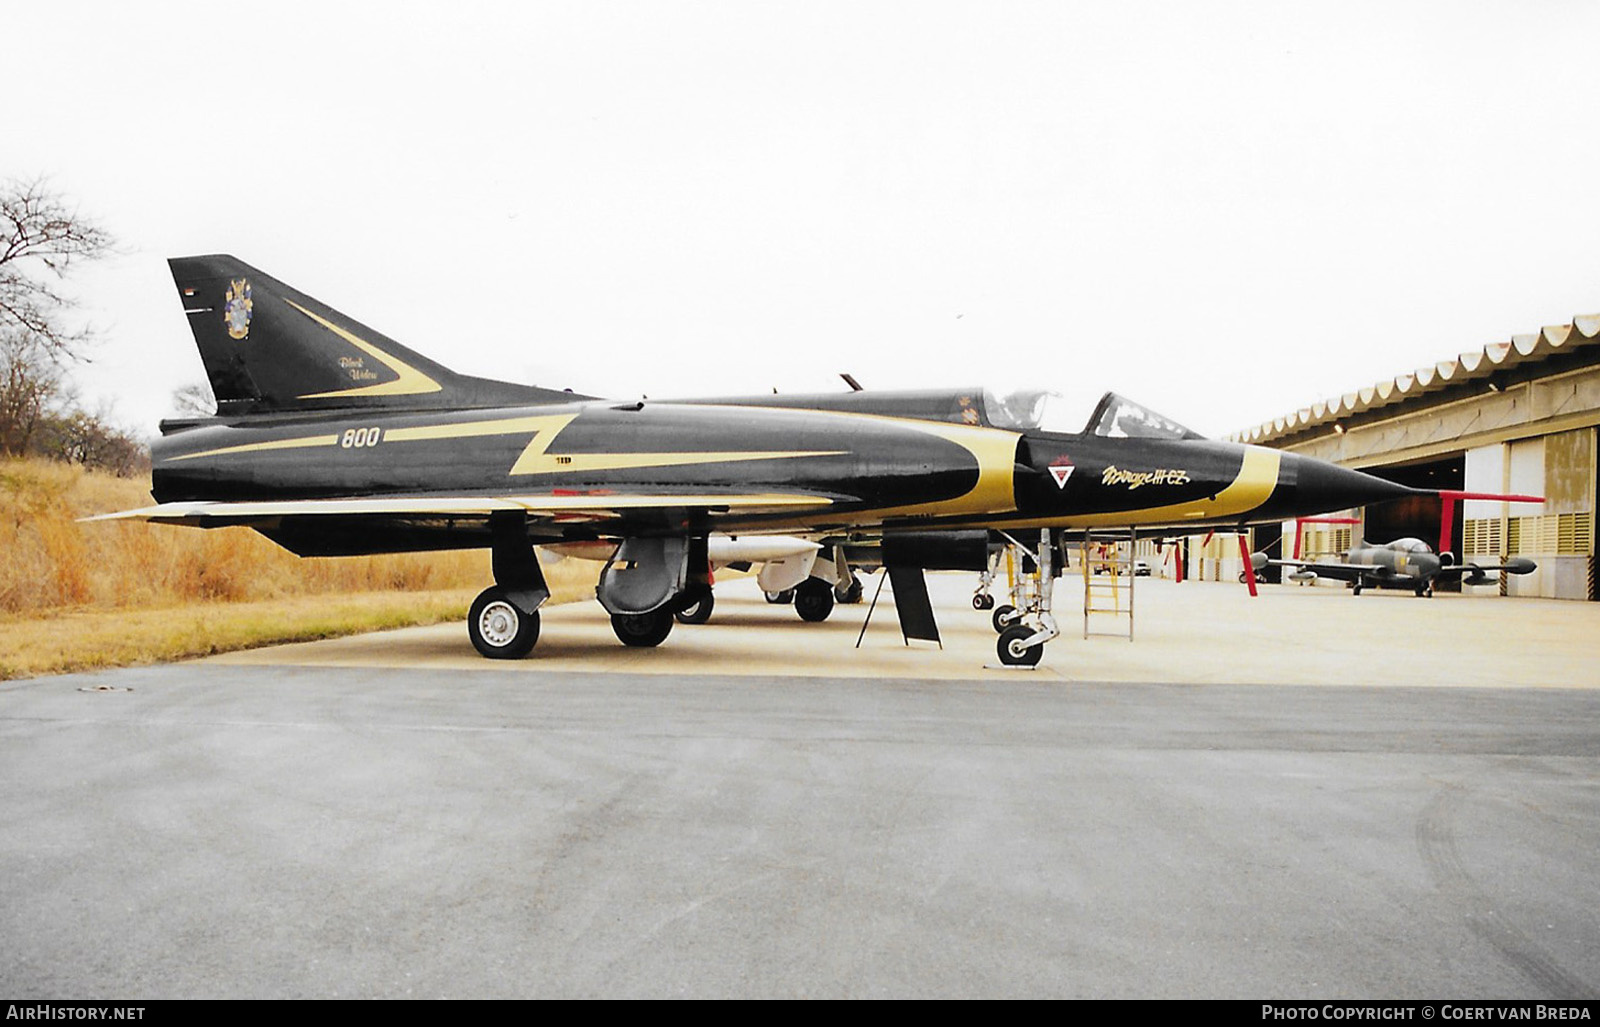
1120, 418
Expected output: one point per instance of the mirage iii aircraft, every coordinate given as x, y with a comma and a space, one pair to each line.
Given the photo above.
332, 439
1406, 563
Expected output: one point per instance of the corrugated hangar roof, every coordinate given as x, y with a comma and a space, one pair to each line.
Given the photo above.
1500, 356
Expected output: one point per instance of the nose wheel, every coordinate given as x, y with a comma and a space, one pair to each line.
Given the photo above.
1017, 648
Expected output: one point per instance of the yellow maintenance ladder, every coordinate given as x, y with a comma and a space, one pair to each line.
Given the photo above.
1106, 561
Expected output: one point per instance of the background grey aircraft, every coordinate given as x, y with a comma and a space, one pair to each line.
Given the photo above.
1405, 563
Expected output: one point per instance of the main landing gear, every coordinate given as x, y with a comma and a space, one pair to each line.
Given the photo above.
503, 622
1026, 624
647, 585
499, 628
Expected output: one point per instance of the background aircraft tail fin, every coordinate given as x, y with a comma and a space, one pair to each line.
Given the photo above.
269, 347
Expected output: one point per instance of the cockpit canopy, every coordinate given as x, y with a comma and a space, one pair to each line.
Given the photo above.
1114, 418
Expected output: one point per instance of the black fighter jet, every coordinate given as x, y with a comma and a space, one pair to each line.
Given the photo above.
1409, 564
332, 439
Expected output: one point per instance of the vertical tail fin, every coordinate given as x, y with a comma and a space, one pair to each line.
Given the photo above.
268, 347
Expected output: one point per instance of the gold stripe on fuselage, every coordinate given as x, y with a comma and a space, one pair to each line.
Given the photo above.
1257, 477
545, 425
305, 442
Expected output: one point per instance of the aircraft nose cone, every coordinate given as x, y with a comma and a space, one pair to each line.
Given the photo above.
1321, 487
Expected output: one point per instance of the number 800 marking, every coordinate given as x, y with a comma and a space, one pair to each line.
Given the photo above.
360, 438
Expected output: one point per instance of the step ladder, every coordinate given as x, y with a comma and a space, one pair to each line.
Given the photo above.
1106, 560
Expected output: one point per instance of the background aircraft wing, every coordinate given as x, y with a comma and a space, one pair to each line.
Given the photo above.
1477, 573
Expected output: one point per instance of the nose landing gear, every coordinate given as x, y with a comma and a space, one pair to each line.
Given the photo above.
1027, 623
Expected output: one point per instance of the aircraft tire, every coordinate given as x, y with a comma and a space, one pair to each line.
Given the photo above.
851, 593
813, 600
1004, 617
982, 602
783, 598
643, 630
697, 612
499, 629
1013, 653
1355, 589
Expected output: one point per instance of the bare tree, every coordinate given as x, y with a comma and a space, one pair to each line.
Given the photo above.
41, 240
194, 400
30, 382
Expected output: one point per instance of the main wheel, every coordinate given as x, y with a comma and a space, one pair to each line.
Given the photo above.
783, 598
851, 593
1013, 653
498, 629
1004, 616
697, 612
643, 630
813, 600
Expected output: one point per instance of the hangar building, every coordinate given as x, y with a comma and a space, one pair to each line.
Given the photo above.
1517, 417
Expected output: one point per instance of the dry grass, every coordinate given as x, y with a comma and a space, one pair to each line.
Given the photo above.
75, 596
53, 563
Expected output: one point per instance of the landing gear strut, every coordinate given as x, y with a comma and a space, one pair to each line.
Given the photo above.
503, 623
1025, 627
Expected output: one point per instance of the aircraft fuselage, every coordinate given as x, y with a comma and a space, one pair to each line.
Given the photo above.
861, 469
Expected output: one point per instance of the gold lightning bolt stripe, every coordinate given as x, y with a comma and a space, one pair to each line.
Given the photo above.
408, 381
546, 425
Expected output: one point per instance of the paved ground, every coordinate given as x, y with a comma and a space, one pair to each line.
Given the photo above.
758, 809
1194, 633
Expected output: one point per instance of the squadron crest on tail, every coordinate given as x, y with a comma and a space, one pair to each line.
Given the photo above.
236, 314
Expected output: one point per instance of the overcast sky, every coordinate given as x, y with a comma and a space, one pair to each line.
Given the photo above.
1224, 210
